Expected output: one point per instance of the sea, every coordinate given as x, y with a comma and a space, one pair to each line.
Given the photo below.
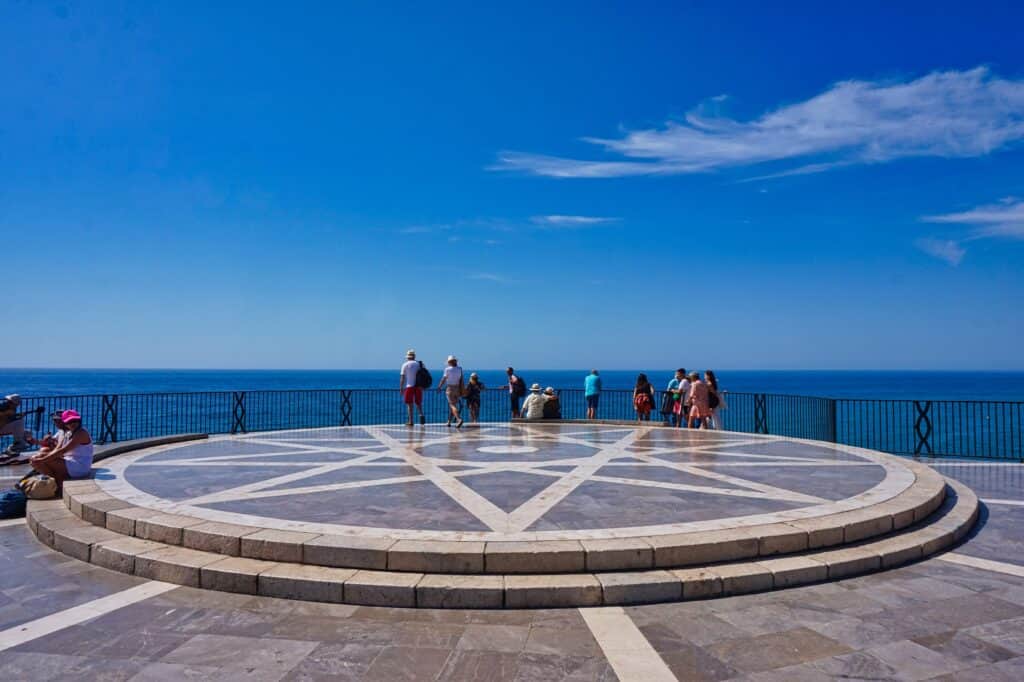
890, 384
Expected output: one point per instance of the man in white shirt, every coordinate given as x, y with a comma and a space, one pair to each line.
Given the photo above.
411, 393
683, 391
451, 384
533, 406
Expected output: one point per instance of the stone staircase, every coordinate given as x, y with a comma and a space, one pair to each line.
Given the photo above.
927, 517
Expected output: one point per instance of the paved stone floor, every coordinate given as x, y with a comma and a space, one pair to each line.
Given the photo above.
501, 481
932, 620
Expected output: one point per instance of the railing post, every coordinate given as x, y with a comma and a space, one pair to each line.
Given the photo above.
238, 412
760, 413
345, 408
924, 435
832, 418
108, 431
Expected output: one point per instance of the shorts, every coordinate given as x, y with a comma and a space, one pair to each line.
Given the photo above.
514, 399
413, 394
454, 395
592, 401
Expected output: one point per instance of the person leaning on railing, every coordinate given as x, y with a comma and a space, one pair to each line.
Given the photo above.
473, 390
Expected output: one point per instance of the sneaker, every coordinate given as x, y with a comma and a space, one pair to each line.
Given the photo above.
423, 420
459, 424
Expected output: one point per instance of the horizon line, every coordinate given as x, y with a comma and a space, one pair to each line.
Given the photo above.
502, 369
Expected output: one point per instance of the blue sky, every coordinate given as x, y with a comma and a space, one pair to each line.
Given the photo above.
322, 185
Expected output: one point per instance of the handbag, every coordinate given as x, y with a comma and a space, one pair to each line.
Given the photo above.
37, 487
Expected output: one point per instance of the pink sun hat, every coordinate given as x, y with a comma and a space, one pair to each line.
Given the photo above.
70, 416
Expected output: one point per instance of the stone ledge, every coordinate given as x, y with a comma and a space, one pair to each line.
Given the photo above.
552, 591
546, 556
233, 574
275, 545
310, 583
381, 588
165, 528
347, 552
119, 555
461, 592
174, 565
538, 557
643, 587
613, 555
436, 557
78, 541
213, 536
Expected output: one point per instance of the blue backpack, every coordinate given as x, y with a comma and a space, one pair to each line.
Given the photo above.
12, 504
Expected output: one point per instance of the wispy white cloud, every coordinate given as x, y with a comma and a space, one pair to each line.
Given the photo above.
943, 114
1003, 219
487, 277
424, 229
570, 220
943, 249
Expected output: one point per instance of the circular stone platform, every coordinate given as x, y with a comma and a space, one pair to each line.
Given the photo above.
506, 482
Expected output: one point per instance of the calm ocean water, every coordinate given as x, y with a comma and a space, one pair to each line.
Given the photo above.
953, 385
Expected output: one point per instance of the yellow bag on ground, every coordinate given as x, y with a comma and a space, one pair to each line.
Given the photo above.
38, 487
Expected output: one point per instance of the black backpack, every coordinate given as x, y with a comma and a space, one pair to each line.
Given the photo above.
519, 387
423, 378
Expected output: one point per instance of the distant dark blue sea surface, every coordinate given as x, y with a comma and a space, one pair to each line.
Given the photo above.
951, 385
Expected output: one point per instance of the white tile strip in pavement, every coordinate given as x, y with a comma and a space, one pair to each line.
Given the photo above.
984, 564
628, 652
12, 522
1012, 503
26, 632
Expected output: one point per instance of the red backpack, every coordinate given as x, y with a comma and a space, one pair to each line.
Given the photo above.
642, 402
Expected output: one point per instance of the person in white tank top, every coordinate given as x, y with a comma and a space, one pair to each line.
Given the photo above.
71, 457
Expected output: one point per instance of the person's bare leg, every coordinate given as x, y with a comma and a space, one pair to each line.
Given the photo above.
55, 469
409, 406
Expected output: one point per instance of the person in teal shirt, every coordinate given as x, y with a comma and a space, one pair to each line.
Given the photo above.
592, 391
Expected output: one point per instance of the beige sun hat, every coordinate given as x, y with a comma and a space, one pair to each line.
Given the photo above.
410, 353
549, 390
535, 387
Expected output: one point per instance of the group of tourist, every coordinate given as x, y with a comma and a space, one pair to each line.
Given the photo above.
687, 401
65, 454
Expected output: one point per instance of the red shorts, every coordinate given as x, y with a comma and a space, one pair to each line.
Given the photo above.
413, 394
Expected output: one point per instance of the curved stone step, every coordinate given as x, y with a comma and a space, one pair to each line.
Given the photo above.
56, 526
913, 504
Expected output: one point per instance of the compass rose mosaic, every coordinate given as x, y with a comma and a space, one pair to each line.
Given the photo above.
503, 481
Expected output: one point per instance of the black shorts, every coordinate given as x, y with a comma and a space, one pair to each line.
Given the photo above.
514, 399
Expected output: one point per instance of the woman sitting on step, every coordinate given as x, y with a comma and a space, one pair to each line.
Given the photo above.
72, 456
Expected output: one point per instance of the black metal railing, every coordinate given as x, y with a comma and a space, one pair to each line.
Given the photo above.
908, 427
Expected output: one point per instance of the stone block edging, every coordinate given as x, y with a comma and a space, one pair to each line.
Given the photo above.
87, 500
54, 525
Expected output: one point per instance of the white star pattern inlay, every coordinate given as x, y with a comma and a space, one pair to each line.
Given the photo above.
568, 457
